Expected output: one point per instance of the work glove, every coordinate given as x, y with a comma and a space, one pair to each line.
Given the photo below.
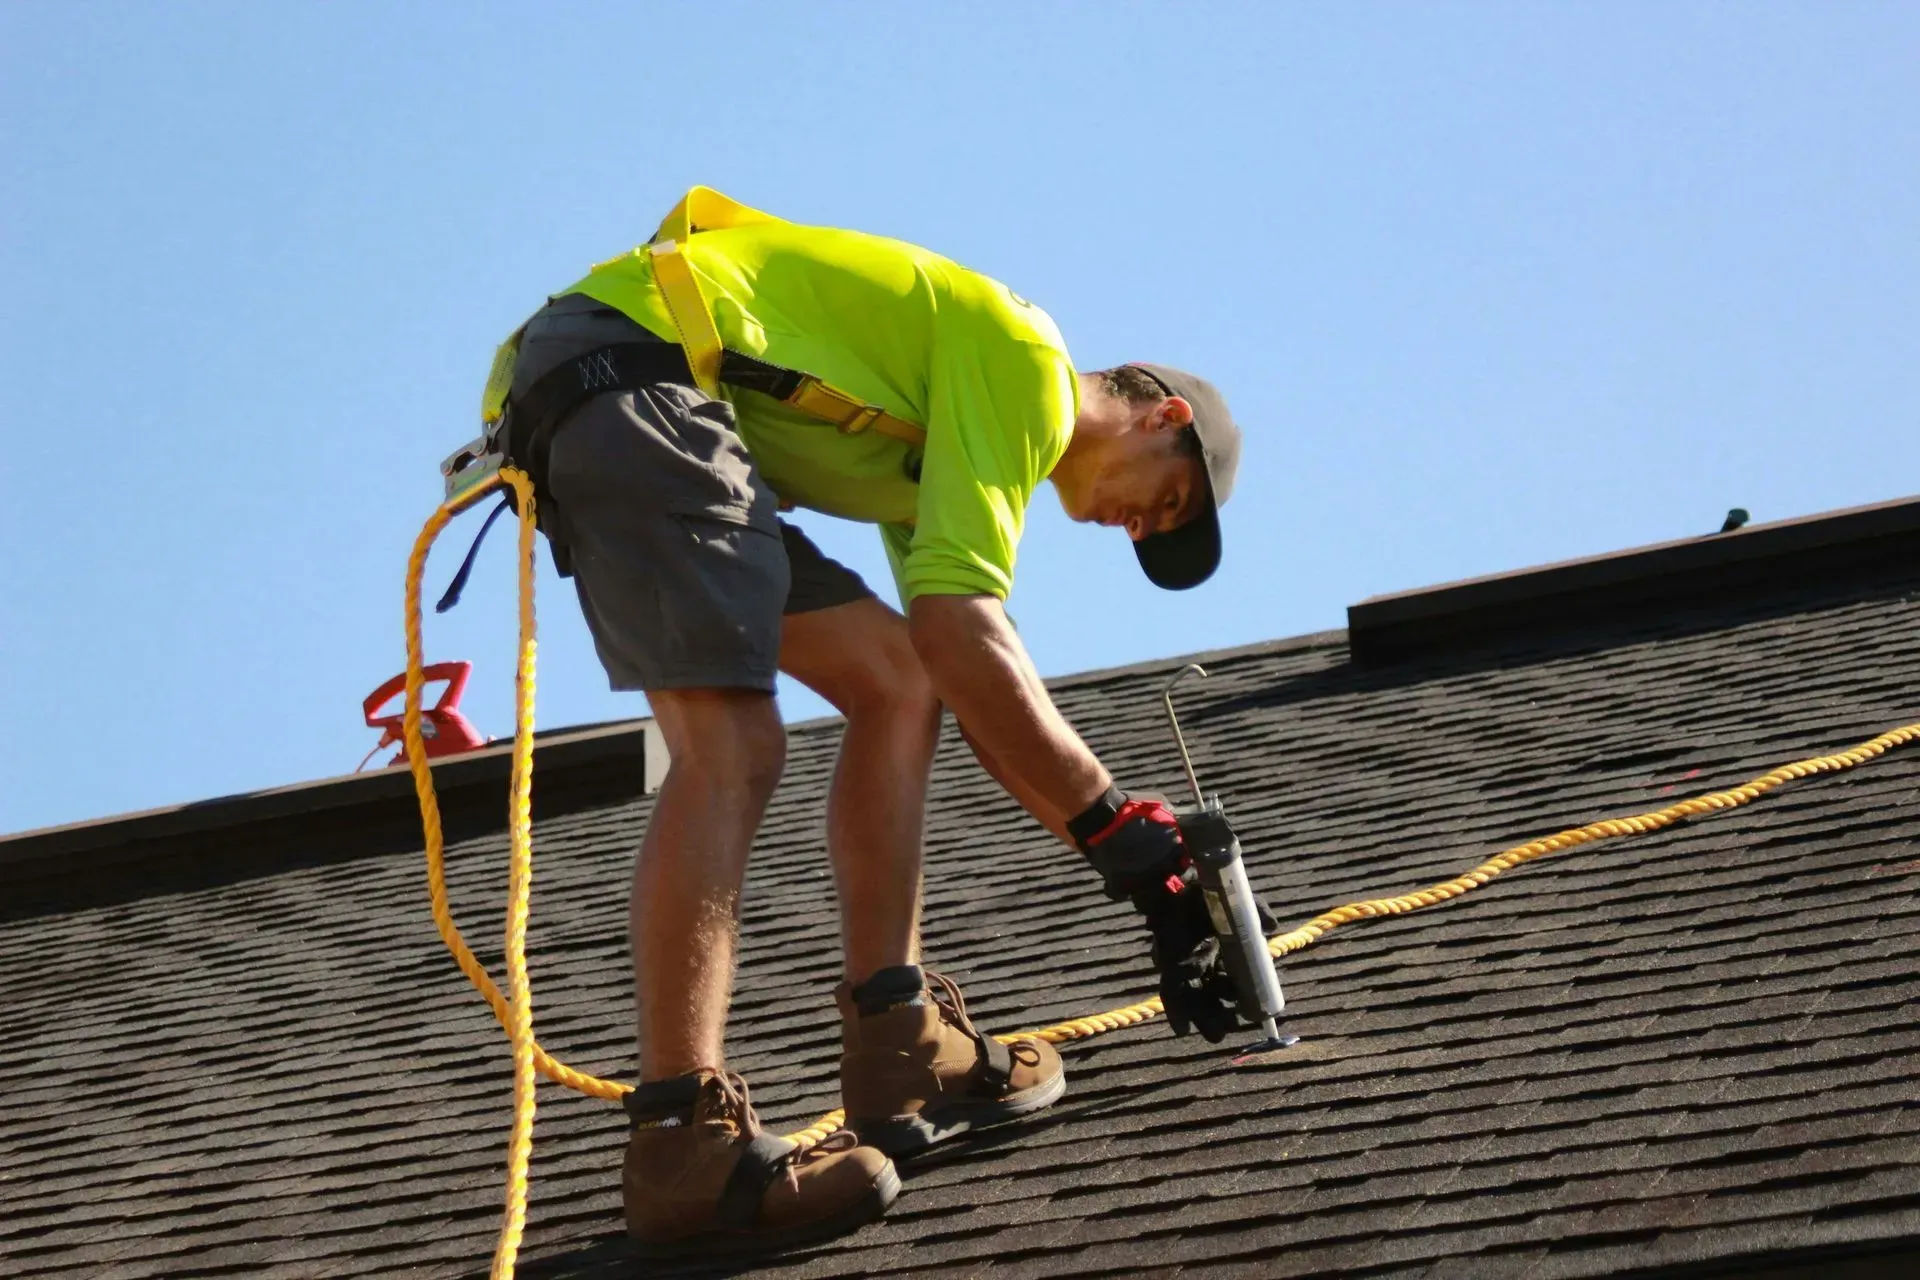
1134, 843
1196, 988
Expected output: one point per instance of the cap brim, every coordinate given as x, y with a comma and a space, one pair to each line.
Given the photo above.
1184, 557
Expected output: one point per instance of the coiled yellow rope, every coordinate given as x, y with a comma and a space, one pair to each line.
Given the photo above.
515, 1011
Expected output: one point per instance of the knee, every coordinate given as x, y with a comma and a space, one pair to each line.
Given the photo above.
893, 687
861, 659
760, 751
731, 742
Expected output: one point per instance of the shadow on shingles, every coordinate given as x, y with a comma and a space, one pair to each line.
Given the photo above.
611, 1256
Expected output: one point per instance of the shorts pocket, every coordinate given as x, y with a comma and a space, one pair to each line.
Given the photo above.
701, 525
695, 516
706, 470
725, 590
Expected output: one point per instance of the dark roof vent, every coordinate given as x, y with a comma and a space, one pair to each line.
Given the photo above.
1742, 561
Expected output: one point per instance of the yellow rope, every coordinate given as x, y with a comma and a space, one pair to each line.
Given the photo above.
516, 1014
1732, 798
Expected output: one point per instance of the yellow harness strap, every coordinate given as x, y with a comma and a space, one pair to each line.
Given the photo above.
691, 316
493, 401
704, 209
850, 414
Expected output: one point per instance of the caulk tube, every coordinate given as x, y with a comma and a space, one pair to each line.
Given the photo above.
1215, 851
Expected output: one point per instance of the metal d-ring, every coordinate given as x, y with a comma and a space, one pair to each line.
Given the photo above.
1173, 722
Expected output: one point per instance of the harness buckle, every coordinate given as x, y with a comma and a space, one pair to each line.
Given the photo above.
463, 471
862, 417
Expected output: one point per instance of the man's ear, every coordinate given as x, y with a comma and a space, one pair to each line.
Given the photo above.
1171, 414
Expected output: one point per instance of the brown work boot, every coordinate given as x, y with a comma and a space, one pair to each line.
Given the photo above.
916, 1071
702, 1178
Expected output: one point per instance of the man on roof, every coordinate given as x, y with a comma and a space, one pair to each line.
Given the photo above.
669, 406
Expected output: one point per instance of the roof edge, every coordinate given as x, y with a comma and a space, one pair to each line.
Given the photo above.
1761, 556
623, 745
1379, 627
632, 744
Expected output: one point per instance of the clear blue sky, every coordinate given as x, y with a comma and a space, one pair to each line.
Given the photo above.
1488, 285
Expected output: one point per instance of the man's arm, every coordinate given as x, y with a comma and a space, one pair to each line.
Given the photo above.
1043, 813
980, 670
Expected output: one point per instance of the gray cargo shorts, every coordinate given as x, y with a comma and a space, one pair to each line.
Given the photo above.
683, 567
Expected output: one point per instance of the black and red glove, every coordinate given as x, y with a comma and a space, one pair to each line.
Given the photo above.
1135, 846
1133, 843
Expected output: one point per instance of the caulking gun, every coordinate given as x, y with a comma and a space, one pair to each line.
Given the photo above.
1215, 851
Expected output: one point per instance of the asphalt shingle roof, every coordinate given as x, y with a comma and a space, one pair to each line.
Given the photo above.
1691, 1049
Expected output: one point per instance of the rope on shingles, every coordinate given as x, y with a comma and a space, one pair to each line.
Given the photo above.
515, 1010
1607, 828
1318, 927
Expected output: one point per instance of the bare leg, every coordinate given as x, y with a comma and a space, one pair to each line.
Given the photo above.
858, 657
727, 747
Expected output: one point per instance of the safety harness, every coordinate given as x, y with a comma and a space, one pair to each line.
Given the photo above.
519, 429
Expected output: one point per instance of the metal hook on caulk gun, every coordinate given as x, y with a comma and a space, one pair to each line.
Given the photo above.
1179, 739
1215, 852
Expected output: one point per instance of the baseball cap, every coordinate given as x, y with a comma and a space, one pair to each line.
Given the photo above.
1187, 556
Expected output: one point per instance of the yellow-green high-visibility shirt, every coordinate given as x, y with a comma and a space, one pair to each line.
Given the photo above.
982, 369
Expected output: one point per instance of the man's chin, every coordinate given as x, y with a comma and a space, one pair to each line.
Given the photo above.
1074, 511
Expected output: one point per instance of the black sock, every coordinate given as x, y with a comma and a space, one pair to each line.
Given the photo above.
890, 988
662, 1100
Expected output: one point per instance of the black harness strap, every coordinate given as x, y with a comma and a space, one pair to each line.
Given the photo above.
750, 374
552, 399
549, 404
619, 366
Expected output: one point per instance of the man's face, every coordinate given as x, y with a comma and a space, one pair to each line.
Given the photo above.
1145, 482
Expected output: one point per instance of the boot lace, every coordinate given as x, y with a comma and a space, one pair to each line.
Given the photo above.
730, 1108
953, 1009
729, 1105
